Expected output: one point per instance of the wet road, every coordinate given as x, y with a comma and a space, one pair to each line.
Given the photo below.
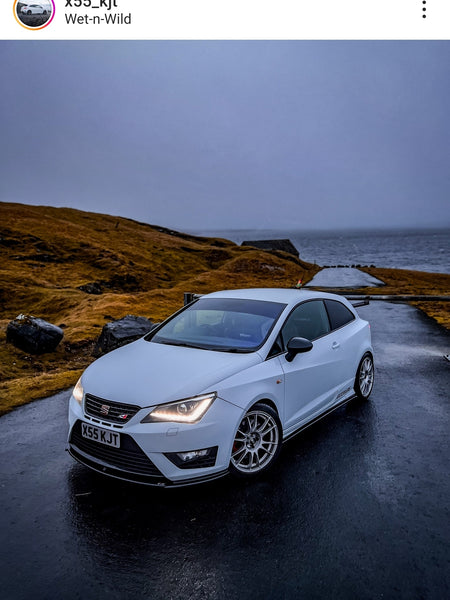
343, 277
358, 506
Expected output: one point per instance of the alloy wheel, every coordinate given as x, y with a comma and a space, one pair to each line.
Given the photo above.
256, 443
365, 377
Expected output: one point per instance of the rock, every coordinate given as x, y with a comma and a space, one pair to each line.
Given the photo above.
121, 332
122, 283
284, 245
118, 283
33, 335
91, 288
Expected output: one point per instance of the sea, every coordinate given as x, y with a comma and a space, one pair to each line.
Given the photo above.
416, 249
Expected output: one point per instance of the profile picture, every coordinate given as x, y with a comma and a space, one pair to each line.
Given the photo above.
35, 15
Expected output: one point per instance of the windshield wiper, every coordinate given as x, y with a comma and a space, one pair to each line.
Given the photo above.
212, 348
225, 349
182, 344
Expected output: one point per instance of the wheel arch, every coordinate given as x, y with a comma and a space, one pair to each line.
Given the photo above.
267, 402
363, 350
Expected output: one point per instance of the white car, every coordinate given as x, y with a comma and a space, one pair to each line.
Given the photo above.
34, 9
219, 386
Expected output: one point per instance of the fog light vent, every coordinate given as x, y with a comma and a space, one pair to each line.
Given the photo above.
193, 459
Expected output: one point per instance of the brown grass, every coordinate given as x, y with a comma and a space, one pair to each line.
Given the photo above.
47, 253
16, 392
438, 311
401, 281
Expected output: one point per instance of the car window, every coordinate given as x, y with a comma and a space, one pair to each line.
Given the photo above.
277, 347
309, 320
338, 313
227, 324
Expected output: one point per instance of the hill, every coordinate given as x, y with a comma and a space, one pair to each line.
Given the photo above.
51, 258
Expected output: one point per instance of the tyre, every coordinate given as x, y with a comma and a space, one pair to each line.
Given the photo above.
364, 377
257, 443
45, 12
29, 12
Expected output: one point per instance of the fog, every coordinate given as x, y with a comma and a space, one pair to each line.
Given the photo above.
256, 135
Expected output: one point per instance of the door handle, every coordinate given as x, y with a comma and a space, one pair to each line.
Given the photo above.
335, 345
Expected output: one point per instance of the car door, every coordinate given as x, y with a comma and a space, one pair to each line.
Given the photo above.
311, 378
346, 332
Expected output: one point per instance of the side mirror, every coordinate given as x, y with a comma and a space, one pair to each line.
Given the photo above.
296, 345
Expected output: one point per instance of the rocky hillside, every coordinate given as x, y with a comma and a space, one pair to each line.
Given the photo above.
80, 270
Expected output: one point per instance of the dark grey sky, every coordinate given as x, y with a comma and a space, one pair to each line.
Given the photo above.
230, 134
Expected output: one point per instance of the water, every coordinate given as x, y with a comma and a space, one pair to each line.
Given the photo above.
420, 250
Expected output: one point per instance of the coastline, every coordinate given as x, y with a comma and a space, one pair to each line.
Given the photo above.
424, 250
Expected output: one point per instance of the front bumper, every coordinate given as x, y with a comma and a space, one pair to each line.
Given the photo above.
142, 458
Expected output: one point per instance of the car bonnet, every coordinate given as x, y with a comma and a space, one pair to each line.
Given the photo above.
146, 373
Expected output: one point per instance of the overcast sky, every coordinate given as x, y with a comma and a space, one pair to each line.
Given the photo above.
198, 135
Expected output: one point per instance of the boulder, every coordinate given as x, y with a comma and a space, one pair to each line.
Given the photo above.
33, 335
91, 288
121, 332
118, 283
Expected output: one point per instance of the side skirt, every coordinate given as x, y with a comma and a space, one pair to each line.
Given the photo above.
319, 417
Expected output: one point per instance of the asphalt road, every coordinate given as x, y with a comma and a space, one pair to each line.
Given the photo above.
357, 508
343, 277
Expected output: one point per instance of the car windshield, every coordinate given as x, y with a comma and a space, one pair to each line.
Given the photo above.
225, 324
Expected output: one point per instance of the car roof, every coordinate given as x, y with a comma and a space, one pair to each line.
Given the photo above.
287, 296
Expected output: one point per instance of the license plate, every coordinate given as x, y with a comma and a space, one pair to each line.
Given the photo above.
104, 436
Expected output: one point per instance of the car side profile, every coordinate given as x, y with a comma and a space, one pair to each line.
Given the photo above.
34, 9
219, 385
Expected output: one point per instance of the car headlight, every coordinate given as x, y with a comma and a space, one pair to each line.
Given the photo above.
189, 410
78, 392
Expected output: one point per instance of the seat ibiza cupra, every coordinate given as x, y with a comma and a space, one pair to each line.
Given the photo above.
35, 9
219, 385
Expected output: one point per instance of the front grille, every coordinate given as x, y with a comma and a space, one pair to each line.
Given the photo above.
109, 411
129, 457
